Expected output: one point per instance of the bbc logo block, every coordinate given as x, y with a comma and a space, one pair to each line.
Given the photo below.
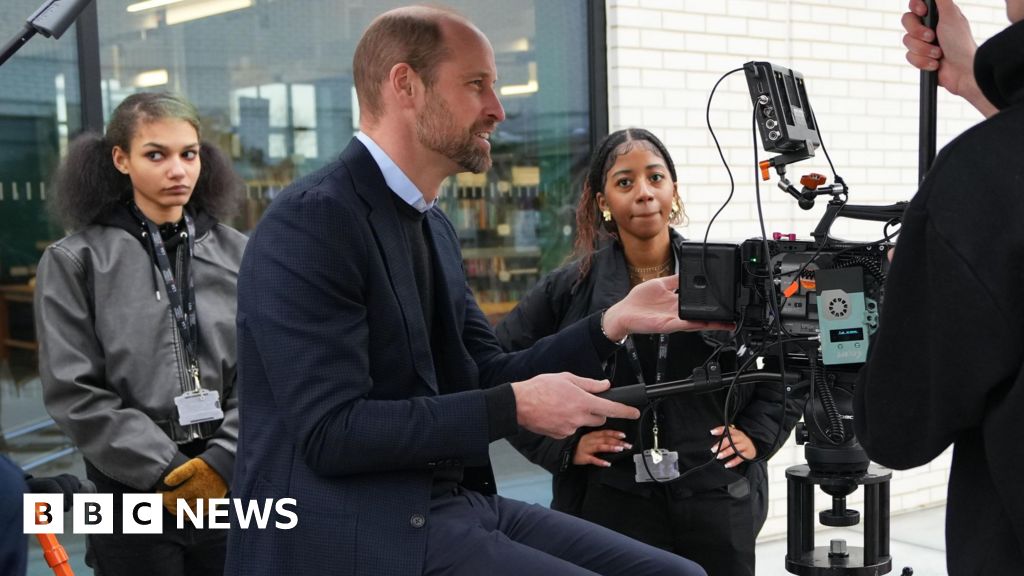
43, 514
93, 514
144, 514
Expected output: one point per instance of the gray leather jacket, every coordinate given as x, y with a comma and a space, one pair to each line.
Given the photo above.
111, 359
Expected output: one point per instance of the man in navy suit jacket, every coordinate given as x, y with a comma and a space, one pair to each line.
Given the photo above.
13, 544
370, 382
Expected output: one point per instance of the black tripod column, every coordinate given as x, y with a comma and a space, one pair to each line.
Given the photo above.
876, 534
802, 557
799, 516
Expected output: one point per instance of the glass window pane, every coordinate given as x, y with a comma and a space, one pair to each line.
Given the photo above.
303, 105
273, 83
39, 109
276, 96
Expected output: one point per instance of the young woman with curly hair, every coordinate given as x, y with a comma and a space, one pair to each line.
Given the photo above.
135, 314
712, 513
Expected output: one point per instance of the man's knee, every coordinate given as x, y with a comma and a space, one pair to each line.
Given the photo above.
679, 566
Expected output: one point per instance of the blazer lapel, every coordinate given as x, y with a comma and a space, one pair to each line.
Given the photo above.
387, 231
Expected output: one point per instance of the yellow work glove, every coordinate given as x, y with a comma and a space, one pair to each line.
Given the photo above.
192, 481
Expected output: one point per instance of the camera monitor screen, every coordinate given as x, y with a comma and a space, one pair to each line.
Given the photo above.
784, 117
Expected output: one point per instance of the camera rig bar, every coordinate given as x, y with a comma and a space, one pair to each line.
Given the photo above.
702, 380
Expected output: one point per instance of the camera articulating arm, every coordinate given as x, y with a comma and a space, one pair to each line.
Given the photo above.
812, 183
813, 187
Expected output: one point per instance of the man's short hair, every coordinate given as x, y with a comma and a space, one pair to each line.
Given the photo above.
412, 35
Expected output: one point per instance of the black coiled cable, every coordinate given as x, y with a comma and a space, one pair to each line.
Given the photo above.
835, 432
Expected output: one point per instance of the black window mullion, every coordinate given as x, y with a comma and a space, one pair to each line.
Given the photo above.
87, 32
597, 45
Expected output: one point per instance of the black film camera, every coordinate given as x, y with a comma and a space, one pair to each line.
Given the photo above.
809, 308
813, 304
810, 305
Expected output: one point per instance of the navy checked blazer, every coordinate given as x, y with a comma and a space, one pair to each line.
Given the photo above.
338, 391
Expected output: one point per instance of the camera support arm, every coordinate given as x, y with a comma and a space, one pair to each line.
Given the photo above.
701, 381
51, 19
812, 188
779, 162
812, 183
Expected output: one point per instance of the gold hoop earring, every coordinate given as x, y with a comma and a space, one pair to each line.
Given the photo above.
676, 209
607, 215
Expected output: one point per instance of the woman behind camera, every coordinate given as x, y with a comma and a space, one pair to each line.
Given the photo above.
713, 514
135, 313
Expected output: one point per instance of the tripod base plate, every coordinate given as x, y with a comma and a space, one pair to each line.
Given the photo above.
818, 563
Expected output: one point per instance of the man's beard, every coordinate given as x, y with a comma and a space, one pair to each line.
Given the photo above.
435, 129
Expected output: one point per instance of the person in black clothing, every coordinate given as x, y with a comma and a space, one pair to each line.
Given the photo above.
947, 365
711, 515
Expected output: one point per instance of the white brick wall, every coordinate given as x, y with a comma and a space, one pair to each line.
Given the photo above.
665, 56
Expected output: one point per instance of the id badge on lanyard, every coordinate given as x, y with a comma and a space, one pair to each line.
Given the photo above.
198, 404
655, 464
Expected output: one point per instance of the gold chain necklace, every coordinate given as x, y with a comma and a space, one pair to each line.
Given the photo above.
643, 274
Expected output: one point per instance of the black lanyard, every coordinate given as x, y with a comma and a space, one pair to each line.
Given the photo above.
183, 303
634, 359
659, 373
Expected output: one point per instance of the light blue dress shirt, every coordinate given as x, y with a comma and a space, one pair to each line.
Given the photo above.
399, 183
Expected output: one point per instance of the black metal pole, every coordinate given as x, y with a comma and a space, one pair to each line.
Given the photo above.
794, 520
929, 89
89, 74
872, 508
597, 40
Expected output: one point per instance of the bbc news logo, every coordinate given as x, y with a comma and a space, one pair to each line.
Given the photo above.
143, 514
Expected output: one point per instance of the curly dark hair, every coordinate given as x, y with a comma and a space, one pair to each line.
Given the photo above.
590, 228
87, 185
